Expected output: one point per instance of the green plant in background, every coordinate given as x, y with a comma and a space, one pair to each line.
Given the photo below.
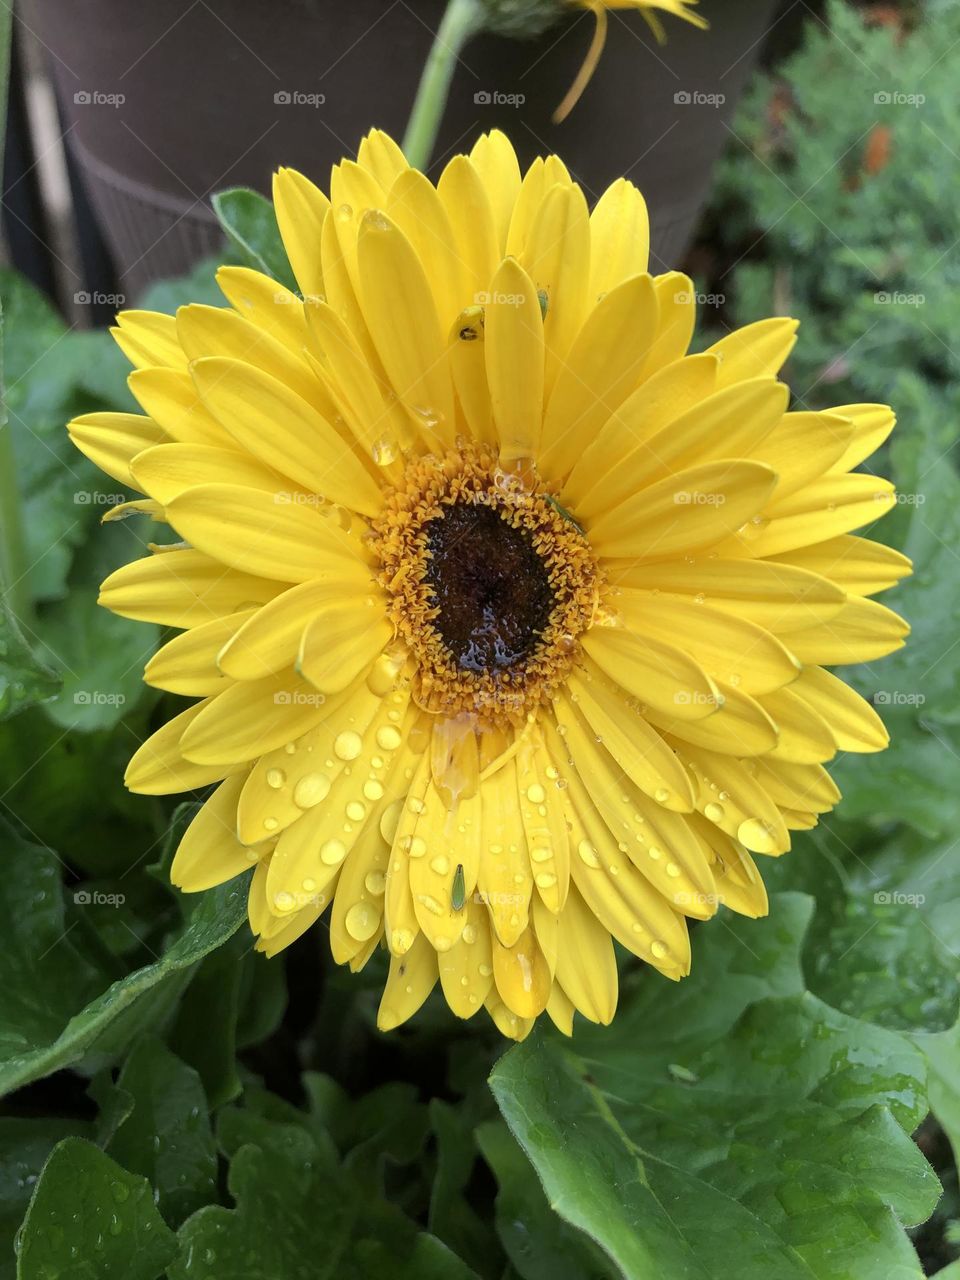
178, 1106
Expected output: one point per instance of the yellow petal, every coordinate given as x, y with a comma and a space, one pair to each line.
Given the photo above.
171, 399
802, 448
586, 965
168, 469
829, 506
619, 237
256, 532
694, 508
411, 979
872, 424
857, 565
741, 727
343, 640
187, 664
148, 338
556, 257
182, 588
853, 722
729, 648
251, 718
301, 208
111, 439
402, 318
496, 162
467, 352
276, 425
770, 594
466, 970
637, 748
804, 735
270, 640
470, 214
380, 156
522, 976
505, 881
677, 302
514, 360
661, 399
210, 853
158, 766
600, 371
756, 350
414, 206
659, 675
861, 631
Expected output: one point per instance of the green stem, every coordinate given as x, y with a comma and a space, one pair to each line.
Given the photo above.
12, 559
462, 19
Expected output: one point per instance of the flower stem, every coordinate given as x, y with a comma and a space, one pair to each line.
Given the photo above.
461, 20
13, 583
12, 560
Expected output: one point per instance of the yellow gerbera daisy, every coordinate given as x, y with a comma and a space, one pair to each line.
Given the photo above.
508, 617
648, 8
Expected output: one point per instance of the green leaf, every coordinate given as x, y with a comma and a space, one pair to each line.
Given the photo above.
24, 1148
101, 656
684, 1135
251, 226
540, 1246
453, 1218
23, 680
89, 1217
300, 1217
166, 1135
53, 1007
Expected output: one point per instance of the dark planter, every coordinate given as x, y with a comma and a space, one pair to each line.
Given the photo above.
169, 101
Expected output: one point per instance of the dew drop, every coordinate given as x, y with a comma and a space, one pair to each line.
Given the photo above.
276, 778
310, 790
375, 882
362, 921
588, 853
348, 745
714, 812
332, 852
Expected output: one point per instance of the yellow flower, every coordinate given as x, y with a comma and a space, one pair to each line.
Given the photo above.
648, 8
508, 617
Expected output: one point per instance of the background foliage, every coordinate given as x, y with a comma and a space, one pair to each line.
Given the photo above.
175, 1105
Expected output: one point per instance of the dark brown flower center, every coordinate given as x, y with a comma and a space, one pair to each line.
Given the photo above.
490, 586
